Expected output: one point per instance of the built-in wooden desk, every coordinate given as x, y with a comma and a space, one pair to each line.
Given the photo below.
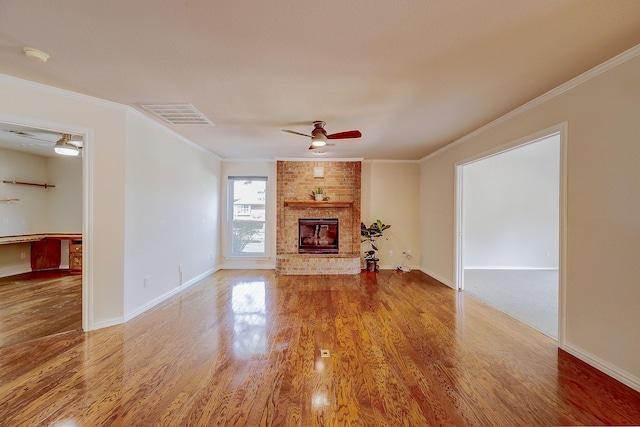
46, 249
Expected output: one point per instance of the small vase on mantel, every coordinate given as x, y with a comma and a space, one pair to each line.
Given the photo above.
319, 197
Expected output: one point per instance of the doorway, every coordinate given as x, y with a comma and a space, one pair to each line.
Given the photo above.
509, 230
42, 209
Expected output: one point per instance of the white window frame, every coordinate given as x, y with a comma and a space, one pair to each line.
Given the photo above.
230, 214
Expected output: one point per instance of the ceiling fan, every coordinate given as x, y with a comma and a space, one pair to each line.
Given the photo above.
319, 136
66, 145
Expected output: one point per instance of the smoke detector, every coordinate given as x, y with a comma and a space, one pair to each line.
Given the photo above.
36, 54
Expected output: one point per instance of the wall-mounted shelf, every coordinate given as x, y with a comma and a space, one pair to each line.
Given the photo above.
29, 183
316, 205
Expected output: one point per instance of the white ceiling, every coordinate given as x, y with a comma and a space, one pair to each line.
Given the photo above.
412, 75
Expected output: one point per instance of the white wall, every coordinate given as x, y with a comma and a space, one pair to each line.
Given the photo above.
390, 193
28, 215
511, 208
602, 263
65, 205
103, 123
171, 219
248, 168
115, 141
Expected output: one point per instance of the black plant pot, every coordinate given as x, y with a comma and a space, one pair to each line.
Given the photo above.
372, 265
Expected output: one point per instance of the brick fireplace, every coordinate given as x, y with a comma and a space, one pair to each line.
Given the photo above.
341, 184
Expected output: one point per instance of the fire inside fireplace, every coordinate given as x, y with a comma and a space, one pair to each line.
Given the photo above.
318, 236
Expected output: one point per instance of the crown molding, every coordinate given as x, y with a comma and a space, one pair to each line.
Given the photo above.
62, 92
577, 81
306, 159
173, 133
102, 103
389, 161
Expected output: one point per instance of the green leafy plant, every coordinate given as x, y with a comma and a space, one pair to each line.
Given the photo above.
371, 234
317, 194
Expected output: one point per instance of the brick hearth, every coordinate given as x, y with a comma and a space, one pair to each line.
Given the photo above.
341, 185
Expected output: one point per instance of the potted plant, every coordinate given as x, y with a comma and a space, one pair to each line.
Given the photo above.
318, 194
371, 234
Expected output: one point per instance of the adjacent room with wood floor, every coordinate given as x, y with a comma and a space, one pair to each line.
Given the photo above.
413, 213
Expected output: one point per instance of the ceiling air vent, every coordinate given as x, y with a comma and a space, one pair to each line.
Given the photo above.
178, 114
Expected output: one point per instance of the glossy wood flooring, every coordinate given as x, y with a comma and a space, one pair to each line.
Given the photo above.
38, 304
243, 348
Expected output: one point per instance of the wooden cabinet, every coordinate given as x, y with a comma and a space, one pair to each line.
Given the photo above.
75, 256
45, 255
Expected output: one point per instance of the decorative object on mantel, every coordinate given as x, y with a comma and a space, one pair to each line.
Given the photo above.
29, 183
318, 194
371, 234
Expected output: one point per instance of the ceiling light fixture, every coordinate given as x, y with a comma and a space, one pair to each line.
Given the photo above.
36, 54
64, 147
318, 140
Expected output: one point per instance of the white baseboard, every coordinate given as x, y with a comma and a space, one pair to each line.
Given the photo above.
106, 323
250, 266
150, 304
503, 267
613, 371
395, 267
437, 277
161, 298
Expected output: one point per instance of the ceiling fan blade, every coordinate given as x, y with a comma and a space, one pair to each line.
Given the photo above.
296, 133
29, 136
345, 135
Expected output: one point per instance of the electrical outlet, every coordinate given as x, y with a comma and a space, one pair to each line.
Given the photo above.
5, 222
146, 281
23, 255
390, 254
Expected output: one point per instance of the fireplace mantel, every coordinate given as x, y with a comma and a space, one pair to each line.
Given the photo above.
316, 205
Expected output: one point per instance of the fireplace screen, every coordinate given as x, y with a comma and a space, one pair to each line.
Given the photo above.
318, 236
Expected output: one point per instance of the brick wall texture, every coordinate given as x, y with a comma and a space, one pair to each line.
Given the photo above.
341, 183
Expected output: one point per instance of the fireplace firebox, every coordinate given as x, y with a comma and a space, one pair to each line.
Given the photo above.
318, 236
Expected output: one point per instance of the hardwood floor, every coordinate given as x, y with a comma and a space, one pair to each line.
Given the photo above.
39, 304
243, 348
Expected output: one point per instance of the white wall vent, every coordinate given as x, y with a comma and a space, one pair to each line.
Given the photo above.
178, 114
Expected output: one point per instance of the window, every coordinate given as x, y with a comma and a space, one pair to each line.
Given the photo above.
243, 209
247, 225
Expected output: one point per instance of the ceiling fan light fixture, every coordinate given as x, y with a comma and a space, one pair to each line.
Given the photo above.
64, 147
318, 140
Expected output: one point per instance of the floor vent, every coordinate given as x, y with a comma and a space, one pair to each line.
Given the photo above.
178, 114
325, 353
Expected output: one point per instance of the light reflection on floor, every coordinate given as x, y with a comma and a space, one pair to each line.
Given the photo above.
248, 303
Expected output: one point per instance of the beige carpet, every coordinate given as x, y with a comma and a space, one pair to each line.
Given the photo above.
530, 296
